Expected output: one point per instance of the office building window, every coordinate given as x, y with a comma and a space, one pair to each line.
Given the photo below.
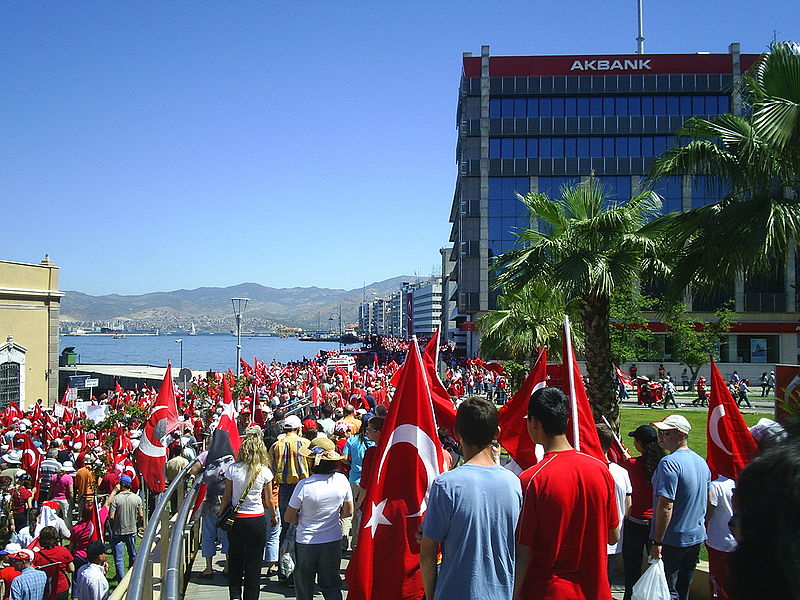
607, 106
507, 215
706, 190
669, 188
579, 147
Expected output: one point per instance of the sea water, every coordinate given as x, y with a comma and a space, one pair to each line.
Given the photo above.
200, 352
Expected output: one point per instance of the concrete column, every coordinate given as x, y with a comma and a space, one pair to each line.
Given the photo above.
483, 296
791, 282
738, 293
534, 187
736, 69
686, 192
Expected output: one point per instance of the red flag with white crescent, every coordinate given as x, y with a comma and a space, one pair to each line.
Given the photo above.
443, 408
730, 444
151, 455
385, 564
512, 416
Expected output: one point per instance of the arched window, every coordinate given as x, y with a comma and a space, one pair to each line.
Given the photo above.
9, 383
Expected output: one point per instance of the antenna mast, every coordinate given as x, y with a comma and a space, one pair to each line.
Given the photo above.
640, 37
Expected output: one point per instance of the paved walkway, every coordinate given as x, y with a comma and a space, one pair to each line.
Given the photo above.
272, 589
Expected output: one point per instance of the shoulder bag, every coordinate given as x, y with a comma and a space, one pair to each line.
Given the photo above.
227, 518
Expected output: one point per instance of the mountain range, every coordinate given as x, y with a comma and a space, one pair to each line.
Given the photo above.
209, 308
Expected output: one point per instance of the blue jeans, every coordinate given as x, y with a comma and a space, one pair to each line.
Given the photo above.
119, 543
272, 547
679, 566
210, 536
318, 562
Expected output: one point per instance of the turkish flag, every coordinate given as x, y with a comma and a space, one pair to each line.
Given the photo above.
443, 408
151, 455
122, 442
258, 412
31, 457
124, 466
512, 416
581, 429
730, 444
225, 440
622, 376
96, 527
316, 394
385, 564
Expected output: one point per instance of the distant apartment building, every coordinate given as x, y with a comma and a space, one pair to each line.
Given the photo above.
415, 309
537, 123
30, 304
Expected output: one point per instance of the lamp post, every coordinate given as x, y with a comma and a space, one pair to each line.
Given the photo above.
339, 314
183, 376
239, 306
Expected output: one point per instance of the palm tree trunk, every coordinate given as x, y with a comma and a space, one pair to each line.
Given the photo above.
596, 316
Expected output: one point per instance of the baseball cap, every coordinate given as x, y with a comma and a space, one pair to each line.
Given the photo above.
95, 549
678, 422
126, 479
23, 554
11, 548
644, 433
292, 422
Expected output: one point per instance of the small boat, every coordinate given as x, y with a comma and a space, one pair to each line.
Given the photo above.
192, 331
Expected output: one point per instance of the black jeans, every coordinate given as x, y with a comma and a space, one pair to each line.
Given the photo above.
246, 547
679, 566
635, 542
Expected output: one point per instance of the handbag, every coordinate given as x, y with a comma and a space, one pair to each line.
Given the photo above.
652, 585
228, 517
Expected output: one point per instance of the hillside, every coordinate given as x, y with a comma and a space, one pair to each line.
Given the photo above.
209, 308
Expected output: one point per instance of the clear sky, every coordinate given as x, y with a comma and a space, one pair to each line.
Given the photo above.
156, 145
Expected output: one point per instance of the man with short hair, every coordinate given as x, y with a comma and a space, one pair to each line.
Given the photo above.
472, 509
126, 515
352, 421
681, 484
90, 580
287, 464
569, 513
30, 584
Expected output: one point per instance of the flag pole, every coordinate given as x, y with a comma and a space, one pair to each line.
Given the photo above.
568, 355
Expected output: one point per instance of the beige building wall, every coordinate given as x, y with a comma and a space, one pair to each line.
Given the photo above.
29, 310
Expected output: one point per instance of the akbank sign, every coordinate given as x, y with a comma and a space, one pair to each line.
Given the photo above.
638, 64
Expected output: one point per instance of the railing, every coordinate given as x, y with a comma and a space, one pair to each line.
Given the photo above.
182, 546
138, 583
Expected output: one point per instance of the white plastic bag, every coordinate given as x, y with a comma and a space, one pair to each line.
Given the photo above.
652, 585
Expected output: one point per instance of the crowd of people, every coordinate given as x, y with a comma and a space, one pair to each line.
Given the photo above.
71, 492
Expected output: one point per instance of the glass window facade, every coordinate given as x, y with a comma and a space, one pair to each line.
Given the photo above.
608, 106
706, 191
506, 213
579, 147
669, 188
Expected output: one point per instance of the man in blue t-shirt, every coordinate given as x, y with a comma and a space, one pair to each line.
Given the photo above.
472, 514
681, 484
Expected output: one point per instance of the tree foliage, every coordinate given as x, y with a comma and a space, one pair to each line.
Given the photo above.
693, 345
753, 160
630, 336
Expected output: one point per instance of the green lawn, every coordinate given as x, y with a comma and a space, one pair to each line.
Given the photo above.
631, 418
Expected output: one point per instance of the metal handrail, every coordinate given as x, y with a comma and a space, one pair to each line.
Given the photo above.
172, 574
138, 570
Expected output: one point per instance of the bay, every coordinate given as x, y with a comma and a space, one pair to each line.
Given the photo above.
200, 352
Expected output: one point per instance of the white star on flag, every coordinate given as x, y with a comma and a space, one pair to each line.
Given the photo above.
377, 518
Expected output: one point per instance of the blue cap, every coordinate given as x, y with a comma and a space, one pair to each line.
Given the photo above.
126, 479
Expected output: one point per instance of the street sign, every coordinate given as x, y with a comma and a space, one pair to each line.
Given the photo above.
185, 375
78, 382
72, 395
91, 383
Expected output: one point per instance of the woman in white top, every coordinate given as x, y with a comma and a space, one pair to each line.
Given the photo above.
246, 538
317, 505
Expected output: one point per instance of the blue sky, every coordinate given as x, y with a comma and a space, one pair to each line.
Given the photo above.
160, 145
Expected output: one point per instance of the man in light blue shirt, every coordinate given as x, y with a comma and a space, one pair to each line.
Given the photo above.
681, 484
472, 514
30, 583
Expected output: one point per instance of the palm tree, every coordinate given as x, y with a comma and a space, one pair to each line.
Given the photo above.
756, 159
590, 246
524, 321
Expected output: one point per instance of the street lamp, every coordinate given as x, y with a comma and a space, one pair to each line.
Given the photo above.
339, 314
183, 375
239, 306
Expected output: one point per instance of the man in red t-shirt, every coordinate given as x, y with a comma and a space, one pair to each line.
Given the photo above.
569, 513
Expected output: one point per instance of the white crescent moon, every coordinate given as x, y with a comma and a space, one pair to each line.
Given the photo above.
713, 427
411, 434
32, 455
